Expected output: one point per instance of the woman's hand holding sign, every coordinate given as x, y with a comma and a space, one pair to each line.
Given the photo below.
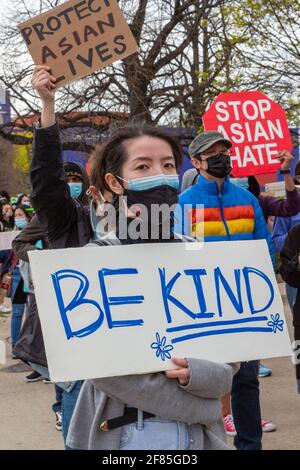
286, 159
182, 374
44, 83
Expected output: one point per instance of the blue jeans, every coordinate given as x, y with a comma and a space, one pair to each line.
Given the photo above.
59, 390
291, 294
246, 407
69, 400
155, 434
58, 399
17, 309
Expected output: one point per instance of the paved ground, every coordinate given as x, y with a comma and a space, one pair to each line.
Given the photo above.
26, 420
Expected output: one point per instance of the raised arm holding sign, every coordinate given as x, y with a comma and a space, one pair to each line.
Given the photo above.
44, 83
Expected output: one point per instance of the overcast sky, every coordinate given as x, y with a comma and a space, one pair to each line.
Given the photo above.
3, 6
3, 3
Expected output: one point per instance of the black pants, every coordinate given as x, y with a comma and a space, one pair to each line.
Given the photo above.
246, 407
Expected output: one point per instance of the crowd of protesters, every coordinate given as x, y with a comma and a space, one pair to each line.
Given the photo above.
201, 401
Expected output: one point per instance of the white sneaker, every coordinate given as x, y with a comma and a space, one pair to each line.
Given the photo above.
267, 426
58, 423
4, 309
47, 381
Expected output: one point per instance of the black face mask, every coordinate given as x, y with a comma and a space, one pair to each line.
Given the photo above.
141, 203
219, 165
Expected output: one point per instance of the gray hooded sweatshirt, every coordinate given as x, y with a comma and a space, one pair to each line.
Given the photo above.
196, 404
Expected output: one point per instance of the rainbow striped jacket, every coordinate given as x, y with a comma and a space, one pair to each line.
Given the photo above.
230, 214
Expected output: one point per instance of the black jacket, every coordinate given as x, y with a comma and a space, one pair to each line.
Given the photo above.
27, 238
66, 220
290, 269
61, 222
30, 344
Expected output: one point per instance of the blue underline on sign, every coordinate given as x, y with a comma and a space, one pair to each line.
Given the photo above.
216, 323
222, 332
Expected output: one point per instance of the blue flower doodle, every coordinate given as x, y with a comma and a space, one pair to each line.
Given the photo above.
276, 323
162, 350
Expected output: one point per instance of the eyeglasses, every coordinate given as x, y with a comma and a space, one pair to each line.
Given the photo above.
215, 154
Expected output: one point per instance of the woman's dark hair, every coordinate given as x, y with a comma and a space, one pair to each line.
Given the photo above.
112, 156
25, 210
20, 197
254, 187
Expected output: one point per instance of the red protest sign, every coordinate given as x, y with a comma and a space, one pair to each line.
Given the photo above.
256, 126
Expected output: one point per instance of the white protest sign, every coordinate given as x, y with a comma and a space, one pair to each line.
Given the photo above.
6, 239
120, 310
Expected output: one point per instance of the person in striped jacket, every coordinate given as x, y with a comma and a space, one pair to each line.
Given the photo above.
215, 209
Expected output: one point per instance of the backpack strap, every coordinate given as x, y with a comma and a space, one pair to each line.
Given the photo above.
195, 179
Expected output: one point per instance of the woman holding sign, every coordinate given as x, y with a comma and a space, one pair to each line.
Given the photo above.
179, 409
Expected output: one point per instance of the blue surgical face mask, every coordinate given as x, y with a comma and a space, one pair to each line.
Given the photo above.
240, 182
20, 223
141, 184
75, 189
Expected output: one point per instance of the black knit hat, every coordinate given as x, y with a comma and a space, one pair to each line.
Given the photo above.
71, 169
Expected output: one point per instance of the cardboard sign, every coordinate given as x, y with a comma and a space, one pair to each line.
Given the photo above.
6, 239
78, 37
118, 310
257, 128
